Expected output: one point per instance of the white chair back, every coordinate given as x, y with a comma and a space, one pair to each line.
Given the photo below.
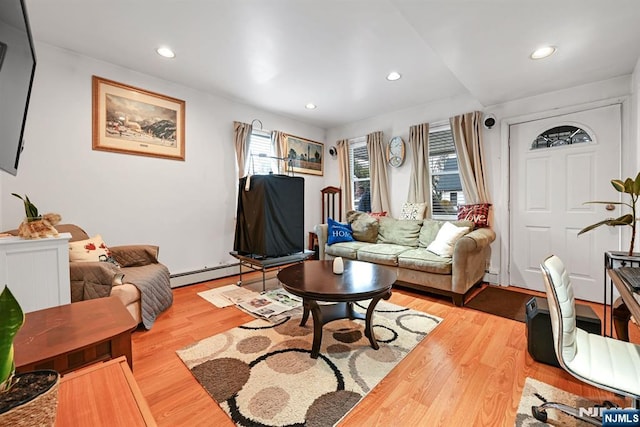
561, 308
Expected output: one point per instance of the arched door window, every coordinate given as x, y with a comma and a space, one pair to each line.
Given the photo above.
561, 135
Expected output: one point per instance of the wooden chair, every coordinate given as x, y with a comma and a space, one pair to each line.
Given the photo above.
331, 198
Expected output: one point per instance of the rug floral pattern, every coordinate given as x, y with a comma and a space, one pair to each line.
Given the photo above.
261, 374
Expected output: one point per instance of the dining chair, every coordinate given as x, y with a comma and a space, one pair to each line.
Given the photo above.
603, 362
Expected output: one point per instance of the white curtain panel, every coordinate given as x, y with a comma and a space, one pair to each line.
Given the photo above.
378, 173
242, 135
419, 183
467, 137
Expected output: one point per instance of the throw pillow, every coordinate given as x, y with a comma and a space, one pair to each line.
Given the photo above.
430, 229
398, 232
338, 232
377, 215
93, 249
364, 226
478, 214
446, 239
413, 211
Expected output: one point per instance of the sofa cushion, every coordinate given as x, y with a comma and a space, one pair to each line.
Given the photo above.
364, 226
423, 260
430, 228
381, 253
345, 249
399, 232
338, 232
446, 239
413, 211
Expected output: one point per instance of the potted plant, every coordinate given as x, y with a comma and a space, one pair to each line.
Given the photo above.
632, 188
30, 210
35, 225
28, 398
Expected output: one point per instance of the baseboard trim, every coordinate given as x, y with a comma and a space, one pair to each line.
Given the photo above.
203, 275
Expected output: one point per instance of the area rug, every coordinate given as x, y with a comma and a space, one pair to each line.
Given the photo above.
501, 302
261, 374
536, 393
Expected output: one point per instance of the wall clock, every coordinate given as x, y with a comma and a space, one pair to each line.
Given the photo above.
395, 151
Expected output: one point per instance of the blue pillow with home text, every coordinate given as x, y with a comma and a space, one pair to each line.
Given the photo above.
338, 232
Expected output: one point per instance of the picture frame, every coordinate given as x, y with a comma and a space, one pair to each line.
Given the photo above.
299, 150
131, 120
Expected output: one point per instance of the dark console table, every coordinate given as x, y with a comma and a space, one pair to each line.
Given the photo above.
261, 263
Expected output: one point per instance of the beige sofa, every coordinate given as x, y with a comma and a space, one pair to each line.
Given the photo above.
402, 244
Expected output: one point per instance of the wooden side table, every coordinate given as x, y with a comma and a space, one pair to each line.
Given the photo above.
74, 335
104, 394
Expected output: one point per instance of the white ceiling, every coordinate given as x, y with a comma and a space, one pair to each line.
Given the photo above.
281, 54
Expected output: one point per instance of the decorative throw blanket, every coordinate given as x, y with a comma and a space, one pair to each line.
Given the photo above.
155, 291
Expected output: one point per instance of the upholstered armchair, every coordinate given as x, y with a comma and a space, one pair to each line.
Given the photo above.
132, 273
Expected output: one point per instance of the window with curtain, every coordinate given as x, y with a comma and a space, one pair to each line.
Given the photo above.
360, 177
260, 151
446, 187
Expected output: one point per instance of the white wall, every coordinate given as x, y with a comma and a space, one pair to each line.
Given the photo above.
187, 208
398, 123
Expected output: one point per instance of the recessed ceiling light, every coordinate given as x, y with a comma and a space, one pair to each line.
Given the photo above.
393, 76
165, 52
310, 106
543, 52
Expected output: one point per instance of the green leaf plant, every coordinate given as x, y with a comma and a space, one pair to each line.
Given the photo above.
11, 320
30, 210
632, 188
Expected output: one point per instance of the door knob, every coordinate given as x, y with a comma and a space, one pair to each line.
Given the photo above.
609, 207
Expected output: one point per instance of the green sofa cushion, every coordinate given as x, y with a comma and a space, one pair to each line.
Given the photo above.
422, 260
399, 232
381, 253
345, 249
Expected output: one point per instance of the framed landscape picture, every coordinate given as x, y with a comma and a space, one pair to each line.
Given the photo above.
135, 121
304, 155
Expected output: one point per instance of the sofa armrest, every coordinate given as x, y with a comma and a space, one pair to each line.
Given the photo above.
471, 256
92, 279
135, 255
482, 237
321, 231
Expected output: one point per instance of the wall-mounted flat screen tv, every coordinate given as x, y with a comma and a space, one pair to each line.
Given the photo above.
17, 68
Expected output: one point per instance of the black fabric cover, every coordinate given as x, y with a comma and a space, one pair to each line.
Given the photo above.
270, 217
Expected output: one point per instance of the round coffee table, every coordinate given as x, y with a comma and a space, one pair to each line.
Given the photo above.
315, 281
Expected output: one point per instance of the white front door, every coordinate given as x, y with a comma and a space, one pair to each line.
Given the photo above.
548, 189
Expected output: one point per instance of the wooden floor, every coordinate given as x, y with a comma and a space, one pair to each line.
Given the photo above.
469, 371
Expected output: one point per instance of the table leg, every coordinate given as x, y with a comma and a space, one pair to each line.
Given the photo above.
317, 328
121, 346
305, 312
368, 325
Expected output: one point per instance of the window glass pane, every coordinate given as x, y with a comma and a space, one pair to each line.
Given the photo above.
446, 188
260, 144
360, 182
560, 135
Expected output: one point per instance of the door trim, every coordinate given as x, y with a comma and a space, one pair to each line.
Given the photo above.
505, 214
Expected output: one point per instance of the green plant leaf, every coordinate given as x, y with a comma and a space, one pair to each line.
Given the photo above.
11, 320
602, 202
592, 226
618, 185
628, 186
636, 185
